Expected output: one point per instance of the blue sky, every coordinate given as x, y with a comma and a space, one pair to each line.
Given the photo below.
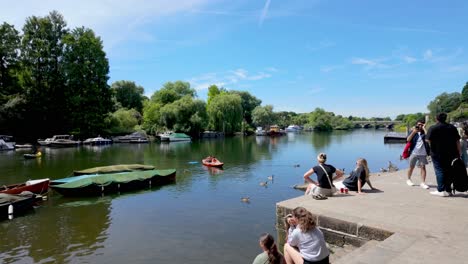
357, 57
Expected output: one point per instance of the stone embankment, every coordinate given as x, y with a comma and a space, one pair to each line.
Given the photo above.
399, 224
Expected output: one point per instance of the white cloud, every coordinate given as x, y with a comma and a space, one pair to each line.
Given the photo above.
427, 54
361, 61
369, 63
272, 69
409, 59
321, 45
237, 77
456, 68
315, 90
327, 69
264, 13
114, 21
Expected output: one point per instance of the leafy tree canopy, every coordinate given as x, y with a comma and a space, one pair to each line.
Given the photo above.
172, 91
128, 94
445, 102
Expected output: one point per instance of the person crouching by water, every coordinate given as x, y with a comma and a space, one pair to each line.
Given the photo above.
309, 240
324, 184
358, 178
270, 254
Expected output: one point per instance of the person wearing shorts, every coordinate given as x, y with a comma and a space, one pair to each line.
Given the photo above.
419, 151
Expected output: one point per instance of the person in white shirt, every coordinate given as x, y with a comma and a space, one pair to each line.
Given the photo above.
306, 244
419, 151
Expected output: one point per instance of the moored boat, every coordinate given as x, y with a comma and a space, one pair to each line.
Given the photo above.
135, 136
97, 141
293, 128
39, 186
6, 143
175, 137
112, 179
13, 205
59, 141
212, 162
260, 132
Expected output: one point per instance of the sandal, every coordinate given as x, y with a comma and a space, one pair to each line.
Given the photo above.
319, 197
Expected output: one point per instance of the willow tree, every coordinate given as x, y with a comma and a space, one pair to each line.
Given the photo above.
263, 116
225, 113
174, 107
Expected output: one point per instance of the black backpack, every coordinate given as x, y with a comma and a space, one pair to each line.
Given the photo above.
460, 177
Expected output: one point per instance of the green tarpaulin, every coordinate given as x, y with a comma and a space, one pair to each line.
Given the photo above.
121, 177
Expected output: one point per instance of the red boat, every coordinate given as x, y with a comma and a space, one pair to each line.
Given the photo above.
212, 162
35, 186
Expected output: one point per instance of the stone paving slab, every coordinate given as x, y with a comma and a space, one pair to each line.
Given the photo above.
426, 228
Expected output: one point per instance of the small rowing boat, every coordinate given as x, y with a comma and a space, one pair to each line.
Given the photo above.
212, 162
40, 186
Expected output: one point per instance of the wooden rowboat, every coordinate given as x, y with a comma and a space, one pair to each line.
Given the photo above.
212, 162
40, 186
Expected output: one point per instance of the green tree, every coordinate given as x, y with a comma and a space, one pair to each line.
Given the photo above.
184, 115
172, 91
42, 76
249, 102
88, 98
464, 93
225, 113
445, 102
12, 102
263, 116
213, 91
321, 120
128, 94
300, 119
159, 113
9, 57
400, 117
123, 121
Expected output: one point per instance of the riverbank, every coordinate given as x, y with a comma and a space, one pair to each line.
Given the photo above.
400, 224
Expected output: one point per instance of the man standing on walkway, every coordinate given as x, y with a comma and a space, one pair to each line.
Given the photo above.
445, 147
419, 150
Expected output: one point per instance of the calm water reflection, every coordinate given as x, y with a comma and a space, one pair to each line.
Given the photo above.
200, 219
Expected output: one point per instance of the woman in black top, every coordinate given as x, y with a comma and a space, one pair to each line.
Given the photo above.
358, 178
324, 172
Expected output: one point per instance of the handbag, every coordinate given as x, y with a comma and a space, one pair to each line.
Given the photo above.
333, 188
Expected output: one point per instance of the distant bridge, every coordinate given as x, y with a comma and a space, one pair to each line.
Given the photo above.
375, 124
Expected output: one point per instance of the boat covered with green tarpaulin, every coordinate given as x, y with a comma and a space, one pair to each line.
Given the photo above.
112, 179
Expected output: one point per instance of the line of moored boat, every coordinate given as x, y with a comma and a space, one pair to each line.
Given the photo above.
7, 142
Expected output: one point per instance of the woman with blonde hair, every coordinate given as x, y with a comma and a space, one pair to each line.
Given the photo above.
324, 184
309, 240
270, 254
358, 178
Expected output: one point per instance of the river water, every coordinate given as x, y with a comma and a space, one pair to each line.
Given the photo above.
199, 219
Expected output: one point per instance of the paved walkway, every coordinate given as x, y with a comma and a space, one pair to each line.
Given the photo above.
426, 228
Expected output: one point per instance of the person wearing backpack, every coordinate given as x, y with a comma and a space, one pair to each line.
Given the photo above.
445, 147
419, 150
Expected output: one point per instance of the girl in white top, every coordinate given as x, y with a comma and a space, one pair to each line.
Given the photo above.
308, 239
